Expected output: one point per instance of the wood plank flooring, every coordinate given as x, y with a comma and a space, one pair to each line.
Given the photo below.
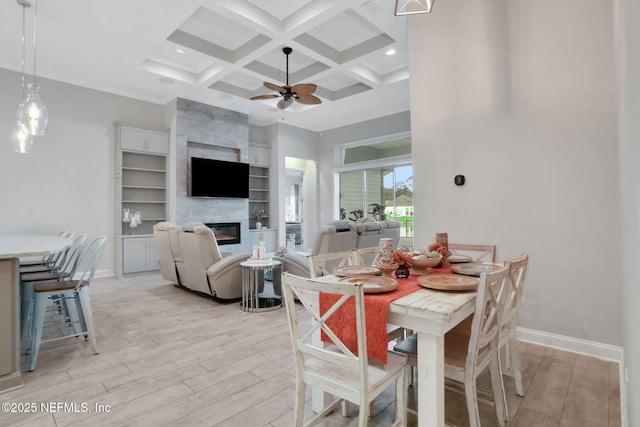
171, 358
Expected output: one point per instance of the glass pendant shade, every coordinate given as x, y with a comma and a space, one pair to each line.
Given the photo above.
410, 7
33, 112
21, 139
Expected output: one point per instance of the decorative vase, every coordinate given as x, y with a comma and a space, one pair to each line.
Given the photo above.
387, 269
402, 272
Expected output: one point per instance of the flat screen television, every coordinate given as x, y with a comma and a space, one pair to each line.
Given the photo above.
218, 178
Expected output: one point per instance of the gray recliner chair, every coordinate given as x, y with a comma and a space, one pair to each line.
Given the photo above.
161, 235
202, 267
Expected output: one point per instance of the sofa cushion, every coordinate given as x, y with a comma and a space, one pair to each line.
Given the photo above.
368, 228
341, 225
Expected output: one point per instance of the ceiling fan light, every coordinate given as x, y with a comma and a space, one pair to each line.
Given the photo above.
411, 7
283, 104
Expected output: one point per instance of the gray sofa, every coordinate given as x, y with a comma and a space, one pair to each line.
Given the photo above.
342, 236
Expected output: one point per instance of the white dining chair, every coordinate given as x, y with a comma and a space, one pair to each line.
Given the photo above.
325, 264
508, 342
467, 355
334, 368
74, 289
485, 253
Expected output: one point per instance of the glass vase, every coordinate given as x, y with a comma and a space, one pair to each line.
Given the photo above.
402, 272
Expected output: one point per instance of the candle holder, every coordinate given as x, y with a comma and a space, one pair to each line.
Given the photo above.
133, 219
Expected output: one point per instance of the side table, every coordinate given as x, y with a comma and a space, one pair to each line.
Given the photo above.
261, 285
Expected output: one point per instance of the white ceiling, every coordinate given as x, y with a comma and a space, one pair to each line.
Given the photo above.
229, 47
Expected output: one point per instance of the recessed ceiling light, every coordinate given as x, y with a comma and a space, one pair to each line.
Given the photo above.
391, 52
179, 50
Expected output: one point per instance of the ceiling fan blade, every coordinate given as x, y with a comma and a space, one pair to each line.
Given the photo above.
284, 103
275, 87
308, 99
254, 98
304, 89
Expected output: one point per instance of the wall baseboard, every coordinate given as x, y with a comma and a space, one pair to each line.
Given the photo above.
104, 273
608, 352
575, 345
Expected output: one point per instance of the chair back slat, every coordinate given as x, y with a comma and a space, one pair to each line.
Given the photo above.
68, 264
485, 253
487, 318
88, 262
517, 273
365, 256
325, 264
306, 344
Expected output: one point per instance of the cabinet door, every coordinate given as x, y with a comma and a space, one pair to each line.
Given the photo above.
135, 255
157, 142
132, 138
259, 156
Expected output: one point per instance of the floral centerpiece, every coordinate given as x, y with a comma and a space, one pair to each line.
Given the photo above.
401, 257
405, 262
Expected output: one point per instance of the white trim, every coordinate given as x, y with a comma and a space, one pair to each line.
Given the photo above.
575, 345
104, 273
590, 348
624, 397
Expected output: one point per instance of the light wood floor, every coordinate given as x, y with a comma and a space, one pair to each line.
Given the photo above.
168, 357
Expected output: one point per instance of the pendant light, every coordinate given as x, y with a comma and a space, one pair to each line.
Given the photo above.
411, 7
21, 139
32, 111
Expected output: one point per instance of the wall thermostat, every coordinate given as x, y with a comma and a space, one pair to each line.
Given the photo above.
459, 180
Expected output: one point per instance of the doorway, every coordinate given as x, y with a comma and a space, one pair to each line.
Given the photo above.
293, 207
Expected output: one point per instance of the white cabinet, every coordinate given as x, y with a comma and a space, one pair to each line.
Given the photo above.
268, 236
259, 155
140, 139
139, 254
140, 186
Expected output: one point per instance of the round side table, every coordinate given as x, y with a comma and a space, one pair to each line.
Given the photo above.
261, 285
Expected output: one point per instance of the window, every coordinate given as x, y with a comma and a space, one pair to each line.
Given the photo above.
379, 193
374, 179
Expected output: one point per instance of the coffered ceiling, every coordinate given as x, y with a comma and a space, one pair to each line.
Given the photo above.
221, 51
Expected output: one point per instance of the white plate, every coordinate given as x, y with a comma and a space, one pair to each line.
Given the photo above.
356, 270
471, 269
374, 285
448, 282
455, 259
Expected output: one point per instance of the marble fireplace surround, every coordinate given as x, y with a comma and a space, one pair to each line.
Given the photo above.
213, 133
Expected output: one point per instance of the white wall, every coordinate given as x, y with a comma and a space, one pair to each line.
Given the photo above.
67, 182
628, 17
520, 98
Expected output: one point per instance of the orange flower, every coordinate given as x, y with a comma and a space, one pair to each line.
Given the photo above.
403, 258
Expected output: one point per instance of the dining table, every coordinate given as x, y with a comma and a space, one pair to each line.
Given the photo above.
431, 314
12, 248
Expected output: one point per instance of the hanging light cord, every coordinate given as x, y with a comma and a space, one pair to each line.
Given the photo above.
24, 20
35, 32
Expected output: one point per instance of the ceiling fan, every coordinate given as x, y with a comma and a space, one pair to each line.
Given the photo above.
301, 93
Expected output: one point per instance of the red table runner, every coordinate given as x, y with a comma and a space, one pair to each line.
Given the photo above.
376, 308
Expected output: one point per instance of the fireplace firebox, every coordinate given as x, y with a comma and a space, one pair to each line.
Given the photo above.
227, 233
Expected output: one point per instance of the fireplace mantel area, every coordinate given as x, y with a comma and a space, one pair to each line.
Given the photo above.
212, 133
